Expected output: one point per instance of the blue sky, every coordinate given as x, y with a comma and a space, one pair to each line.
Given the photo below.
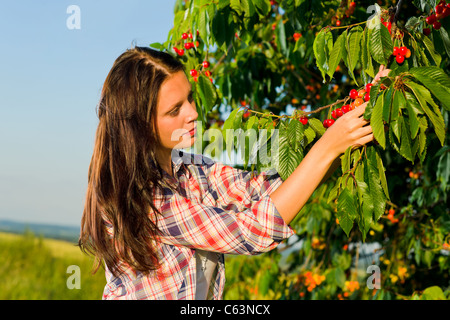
50, 83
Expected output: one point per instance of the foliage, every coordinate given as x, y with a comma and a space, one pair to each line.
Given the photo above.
273, 63
36, 269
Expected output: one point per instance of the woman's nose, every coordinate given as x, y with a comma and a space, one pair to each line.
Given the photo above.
192, 115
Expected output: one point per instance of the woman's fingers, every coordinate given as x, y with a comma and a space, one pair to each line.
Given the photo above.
382, 72
364, 140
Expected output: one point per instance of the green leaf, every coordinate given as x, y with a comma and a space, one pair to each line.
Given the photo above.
405, 142
436, 118
336, 54
281, 37
236, 6
345, 160
433, 293
230, 127
346, 210
203, 25
288, 157
435, 80
387, 103
366, 58
323, 44
262, 6
398, 103
223, 28
382, 174
207, 93
248, 7
445, 39
376, 122
156, 45
413, 113
427, 43
373, 99
372, 177
381, 46
317, 126
365, 218
309, 135
353, 46
295, 133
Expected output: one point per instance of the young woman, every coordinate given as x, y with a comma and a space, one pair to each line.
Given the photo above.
161, 224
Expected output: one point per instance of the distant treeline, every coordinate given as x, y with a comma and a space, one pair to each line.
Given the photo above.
68, 233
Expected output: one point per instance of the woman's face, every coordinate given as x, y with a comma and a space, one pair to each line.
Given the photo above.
176, 113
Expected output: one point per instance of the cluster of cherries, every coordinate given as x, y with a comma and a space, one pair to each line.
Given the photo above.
401, 53
442, 10
188, 44
390, 216
205, 65
358, 97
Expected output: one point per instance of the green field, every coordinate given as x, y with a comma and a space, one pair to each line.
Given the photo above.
34, 268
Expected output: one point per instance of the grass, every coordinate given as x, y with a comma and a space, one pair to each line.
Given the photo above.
35, 268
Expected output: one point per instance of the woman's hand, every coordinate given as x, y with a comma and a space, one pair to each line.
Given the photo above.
349, 130
382, 72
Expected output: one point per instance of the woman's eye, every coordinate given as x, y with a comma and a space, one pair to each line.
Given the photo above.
191, 97
175, 111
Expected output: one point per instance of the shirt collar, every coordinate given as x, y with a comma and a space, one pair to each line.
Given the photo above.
177, 160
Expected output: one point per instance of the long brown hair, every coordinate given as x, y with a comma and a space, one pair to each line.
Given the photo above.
123, 172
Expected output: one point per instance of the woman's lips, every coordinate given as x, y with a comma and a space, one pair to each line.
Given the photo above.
192, 132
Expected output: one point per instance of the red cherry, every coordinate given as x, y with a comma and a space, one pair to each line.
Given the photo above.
338, 23
400, 59
188, 45
402, 50
328, 123
367, 97
353, 94
345, 108
333, 114
193, 72
446, 11
368, 87
190, 36
437, 25
207, 73
297, 36
431, 19
426, 31
408, 54
339, 112
205, 64
439, 9
303, 120
395, 52
180, 52
184, 36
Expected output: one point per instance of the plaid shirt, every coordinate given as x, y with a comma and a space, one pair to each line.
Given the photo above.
213, 207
